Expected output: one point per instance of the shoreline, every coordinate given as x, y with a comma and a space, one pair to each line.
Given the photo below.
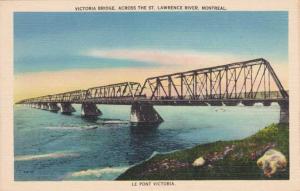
239, 162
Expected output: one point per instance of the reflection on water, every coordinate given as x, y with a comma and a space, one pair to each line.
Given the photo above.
62, 147
91, 119
143, 128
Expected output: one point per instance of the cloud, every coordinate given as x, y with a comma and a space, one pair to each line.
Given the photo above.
163, 57
183, 60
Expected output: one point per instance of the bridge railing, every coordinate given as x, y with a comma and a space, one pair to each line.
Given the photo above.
255, 96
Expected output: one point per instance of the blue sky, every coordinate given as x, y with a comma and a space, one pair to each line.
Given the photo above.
62, 41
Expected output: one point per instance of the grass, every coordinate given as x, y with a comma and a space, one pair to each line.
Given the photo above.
239, 164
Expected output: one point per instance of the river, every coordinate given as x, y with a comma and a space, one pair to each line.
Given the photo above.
52, 146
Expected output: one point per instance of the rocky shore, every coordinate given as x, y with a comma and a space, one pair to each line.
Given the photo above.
233, 160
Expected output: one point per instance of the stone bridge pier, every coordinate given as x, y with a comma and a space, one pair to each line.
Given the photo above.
67, 108
143, 113
284, 112
90, 110
38, 106
44, 106
53, 107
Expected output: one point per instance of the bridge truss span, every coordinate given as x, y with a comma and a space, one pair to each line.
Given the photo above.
253, 79
248, 82
119, 91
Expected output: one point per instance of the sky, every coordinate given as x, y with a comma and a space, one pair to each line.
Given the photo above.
57, 52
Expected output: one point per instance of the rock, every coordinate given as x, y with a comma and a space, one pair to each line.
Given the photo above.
261, 151
228, 150
271, 162
165, 165
199, 162
253, 155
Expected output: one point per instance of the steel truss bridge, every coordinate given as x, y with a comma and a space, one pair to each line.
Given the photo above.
247, 83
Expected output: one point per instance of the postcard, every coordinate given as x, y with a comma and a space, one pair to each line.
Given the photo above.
167, 95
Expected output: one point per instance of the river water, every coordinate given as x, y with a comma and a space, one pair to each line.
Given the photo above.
52, 146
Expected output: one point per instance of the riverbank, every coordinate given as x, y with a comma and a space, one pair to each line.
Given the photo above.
238, 162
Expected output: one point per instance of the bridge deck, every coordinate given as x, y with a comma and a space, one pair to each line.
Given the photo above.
130, 101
